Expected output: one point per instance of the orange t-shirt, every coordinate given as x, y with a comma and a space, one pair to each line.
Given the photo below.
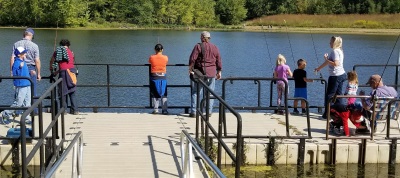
158, 63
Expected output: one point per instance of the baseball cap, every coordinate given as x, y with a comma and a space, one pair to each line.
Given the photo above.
30, 30
206, 34
20, 50
374, 78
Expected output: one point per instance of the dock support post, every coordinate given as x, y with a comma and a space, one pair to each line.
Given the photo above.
271, 151
333, 151
392, 157
15, 154
392, 153
363, 149
301, 152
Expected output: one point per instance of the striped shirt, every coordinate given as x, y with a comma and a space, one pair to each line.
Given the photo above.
33, 50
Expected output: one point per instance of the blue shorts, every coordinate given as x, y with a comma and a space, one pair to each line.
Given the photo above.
300, 92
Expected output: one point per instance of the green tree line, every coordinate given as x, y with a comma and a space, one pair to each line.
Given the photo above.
201, 13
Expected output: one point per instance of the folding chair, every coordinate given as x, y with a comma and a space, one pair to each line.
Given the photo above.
380, 112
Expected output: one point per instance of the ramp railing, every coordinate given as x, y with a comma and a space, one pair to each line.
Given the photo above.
187, 144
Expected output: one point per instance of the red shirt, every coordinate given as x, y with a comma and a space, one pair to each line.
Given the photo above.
212, 58
64, 65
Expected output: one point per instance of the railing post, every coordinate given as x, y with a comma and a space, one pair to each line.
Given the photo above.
108, 86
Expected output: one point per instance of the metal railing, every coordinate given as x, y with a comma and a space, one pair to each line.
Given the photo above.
257, 81
205, 117
270, 153
187, 143
76, 145
396, 75
109, 86
53, 127
370, 136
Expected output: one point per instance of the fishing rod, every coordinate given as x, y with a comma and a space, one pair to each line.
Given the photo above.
290, 44
55, 64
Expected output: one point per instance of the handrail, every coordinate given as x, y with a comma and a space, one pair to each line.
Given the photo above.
395, 100
363, 145
76, 146
108, 86
42, 136
187, 143
198, 77
257, 81
328, 118
285, 101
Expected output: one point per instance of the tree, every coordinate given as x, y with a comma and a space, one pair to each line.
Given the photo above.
231, 11
204, 14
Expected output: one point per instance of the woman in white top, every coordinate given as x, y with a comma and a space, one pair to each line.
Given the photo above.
337, 74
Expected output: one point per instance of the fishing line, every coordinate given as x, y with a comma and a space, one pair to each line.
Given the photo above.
269, 54
291, 50
387, 62
316, 56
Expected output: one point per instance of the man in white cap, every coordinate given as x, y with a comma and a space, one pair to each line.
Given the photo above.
206, 58
32, 57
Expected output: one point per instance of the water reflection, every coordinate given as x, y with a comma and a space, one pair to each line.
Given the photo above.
320, 170
15, 172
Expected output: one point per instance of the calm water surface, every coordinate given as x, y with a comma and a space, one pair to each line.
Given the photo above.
244, 54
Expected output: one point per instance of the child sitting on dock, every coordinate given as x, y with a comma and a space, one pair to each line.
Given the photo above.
281, 71
300, 85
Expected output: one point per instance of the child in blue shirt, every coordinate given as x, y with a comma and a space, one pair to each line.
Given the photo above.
22, 86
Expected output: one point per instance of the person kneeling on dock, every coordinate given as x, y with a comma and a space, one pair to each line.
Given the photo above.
340, 114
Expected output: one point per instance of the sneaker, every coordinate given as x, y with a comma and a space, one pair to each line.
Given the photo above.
28, 120
165, 112
192, 115
5, 119
281, 112
155, 112
362, 131
296, 113
336, 131
74, 112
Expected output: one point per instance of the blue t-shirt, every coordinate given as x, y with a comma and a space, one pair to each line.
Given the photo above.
23, 71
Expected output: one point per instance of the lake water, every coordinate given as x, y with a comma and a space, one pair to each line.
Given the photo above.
244, 54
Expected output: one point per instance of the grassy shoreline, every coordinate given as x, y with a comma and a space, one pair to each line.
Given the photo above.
255, 29
375, 24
